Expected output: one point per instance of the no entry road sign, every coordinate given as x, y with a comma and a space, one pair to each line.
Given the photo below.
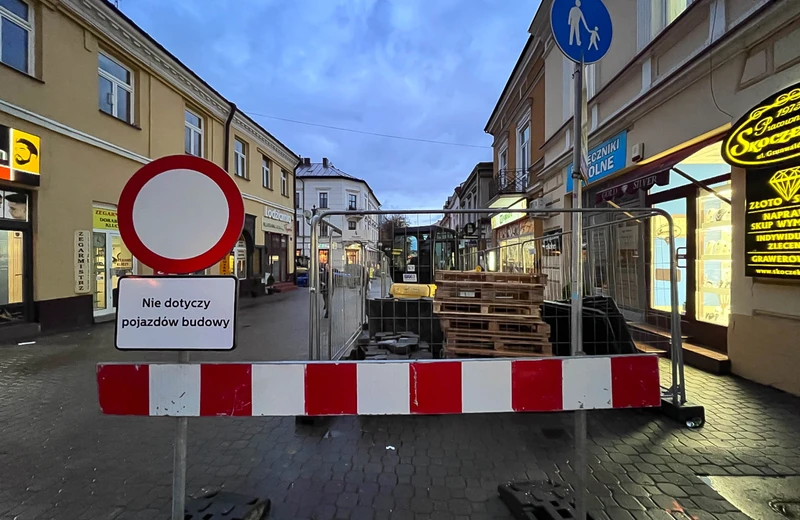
180, 214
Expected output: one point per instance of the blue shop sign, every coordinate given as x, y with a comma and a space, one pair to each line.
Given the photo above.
604, 159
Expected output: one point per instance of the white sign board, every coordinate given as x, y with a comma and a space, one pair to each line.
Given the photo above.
83, 284
411, 268
176, 313
409, 278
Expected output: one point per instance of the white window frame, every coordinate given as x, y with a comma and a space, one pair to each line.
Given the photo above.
116, 84
240, 159
266, 172
284, 183
28, 26
194, 130
526, 154
501, 164
327, 200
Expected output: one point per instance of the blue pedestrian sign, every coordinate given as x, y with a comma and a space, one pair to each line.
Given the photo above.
582, 29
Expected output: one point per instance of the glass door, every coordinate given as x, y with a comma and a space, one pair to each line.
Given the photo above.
11, 276
660, 284
714, 259
112, 260
101, 294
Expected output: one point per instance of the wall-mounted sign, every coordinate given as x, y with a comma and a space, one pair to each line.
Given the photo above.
501, 219
768, 135
20, 155
103, 218
83, 283
604, 159
772, 223
278, 215
409, 278
633, 186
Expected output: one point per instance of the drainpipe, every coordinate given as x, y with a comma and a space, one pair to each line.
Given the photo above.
226, 159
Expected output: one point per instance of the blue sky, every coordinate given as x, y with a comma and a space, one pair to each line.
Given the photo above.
429, 69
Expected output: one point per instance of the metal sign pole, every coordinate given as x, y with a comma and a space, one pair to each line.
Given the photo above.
179, 459
576, 329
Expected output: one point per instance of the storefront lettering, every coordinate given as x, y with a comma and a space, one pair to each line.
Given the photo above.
105, 219
772, 240
769, 135
82, 285
604, 159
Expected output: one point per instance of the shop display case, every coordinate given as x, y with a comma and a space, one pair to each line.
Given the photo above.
714, 256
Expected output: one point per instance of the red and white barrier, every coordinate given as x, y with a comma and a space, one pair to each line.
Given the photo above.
379, 387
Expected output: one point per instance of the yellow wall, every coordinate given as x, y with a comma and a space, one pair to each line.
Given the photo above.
76, 174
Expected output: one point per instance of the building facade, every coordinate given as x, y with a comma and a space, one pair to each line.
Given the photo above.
517, 125
659, 106
322, 186
87, 98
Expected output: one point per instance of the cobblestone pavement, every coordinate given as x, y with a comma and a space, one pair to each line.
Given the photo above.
62, 460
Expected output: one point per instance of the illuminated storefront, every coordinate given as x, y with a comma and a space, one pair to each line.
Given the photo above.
111, 259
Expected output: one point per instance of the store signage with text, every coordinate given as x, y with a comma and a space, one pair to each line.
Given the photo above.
103, 218
772, 220
501, 219
768, 135
276, 221
83, 283
606, 158
20, 156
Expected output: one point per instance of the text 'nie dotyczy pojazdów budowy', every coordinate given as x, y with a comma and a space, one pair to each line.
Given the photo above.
173, 304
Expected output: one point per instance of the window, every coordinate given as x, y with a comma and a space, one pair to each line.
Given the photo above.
351, 225
503, 160
116, 88
323, 229
653, 16
240, 154
352, 201
297, 227
266, 175
297, 200
284, 183
16, 35
323, 200
523, 154
193, 134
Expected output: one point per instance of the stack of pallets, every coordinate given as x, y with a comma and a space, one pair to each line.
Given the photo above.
492, 314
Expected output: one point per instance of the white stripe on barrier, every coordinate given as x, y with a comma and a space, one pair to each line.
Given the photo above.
383, 389
175, 390
586, 382
486, 387
280, 389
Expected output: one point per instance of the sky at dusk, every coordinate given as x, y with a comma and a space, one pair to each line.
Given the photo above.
424, 69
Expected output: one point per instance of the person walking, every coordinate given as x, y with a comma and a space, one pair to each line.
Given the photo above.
323, 285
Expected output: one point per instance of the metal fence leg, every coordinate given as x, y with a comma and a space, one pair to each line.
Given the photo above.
179, 459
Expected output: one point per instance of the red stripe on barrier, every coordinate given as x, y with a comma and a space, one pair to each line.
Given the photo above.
226, 389
435, 387
331, 389
124, 389
634, 382
536, 386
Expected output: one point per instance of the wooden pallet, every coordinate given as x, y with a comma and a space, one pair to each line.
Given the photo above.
467, 352
502, 308
487, 291
485, 276
494, 325
533, 344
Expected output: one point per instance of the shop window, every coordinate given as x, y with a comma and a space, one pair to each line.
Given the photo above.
116, 88
193, 133
240, 156
240, 260
714, 252
351, 225
284, 183
16, 35
323, 200
256, 261
266, 175
11, 268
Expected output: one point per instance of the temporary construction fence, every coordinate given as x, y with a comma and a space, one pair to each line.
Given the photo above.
630, 304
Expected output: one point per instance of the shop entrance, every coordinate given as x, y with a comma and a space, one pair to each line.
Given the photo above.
277, 255
112, 260
703, 245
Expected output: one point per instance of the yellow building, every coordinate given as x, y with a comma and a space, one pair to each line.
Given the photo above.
87, 98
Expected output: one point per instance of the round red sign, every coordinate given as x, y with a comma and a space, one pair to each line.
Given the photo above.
180, 214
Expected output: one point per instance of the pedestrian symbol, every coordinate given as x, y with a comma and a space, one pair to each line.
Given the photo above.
581, 28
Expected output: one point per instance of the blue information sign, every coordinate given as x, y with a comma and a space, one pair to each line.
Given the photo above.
582, 29
604, 159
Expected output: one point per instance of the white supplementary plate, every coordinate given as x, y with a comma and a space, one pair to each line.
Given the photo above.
176, 313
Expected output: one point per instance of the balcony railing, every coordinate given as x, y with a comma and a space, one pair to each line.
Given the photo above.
508, 182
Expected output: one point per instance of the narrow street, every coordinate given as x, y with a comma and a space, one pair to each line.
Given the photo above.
65, 461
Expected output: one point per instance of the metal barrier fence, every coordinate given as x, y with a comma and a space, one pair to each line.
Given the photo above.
631, 302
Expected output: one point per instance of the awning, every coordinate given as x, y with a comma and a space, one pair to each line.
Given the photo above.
656, 172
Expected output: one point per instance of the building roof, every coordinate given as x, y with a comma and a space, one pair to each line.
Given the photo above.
326, 170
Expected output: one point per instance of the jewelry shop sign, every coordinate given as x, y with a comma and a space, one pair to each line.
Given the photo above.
772, 219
